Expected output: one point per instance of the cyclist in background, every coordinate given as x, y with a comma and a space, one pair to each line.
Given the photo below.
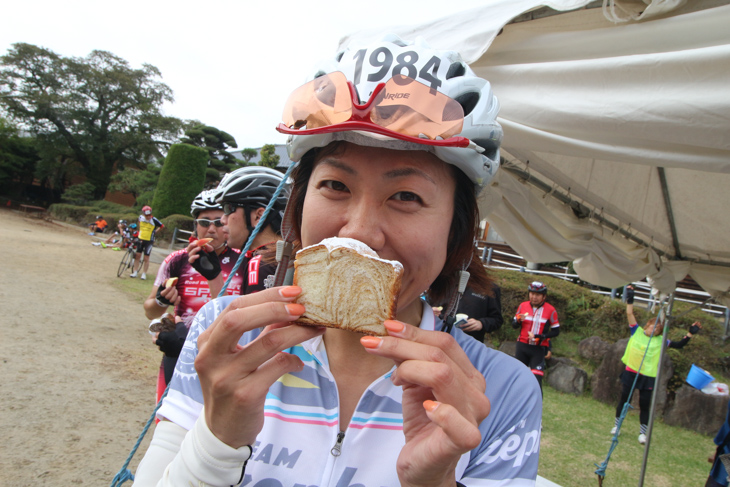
191, 291
243, 195
148, 226
538, 323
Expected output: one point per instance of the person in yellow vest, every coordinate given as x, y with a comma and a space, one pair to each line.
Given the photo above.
148, 226
651, 338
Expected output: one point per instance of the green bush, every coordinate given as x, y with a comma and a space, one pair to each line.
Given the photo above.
70, 213
183, 222
584, 314
181, 179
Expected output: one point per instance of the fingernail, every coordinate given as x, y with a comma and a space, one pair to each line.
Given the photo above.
430, 405
290, 291
371, 342
394, 327
295, 309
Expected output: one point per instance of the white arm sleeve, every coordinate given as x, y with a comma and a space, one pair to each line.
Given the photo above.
204, 460
162, 450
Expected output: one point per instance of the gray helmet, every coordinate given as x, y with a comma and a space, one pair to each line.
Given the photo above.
204, 201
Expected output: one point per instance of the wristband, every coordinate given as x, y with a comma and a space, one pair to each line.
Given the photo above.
162, 300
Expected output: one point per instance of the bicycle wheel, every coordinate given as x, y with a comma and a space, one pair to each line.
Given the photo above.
127, 260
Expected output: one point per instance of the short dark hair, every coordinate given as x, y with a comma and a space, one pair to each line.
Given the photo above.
462, 233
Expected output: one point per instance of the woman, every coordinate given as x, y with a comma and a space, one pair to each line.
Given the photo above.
642, 357
292, 405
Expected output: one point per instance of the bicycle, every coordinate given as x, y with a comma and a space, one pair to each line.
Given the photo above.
127, 261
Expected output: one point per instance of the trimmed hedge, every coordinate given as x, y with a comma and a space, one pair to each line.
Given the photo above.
183, 222
181, 179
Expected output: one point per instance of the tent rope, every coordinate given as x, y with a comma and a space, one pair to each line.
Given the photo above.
601, 470
124, 473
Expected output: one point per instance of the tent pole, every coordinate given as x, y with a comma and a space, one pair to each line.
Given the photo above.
662, 353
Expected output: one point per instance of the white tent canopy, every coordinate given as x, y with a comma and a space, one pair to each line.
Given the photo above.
617, 133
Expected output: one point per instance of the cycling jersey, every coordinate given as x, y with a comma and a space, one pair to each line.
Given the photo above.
148, 228
300, 444
191, 286
539, 320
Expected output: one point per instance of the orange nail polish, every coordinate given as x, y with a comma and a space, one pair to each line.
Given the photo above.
295, 309
394, 327
371, 342
430, 405
290, 291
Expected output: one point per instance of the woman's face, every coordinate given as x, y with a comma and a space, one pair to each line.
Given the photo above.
400, 203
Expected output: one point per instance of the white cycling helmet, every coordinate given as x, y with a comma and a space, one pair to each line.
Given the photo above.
204, 201
368, 66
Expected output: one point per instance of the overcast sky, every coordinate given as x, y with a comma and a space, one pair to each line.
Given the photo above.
231, 64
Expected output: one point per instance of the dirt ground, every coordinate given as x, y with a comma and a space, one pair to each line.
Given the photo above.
78, 366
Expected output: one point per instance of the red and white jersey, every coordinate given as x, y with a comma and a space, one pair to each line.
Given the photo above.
538, 321
191, 286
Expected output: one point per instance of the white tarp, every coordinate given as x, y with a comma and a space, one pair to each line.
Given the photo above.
604, 112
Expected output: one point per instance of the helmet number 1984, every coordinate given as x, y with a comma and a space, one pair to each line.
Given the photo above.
381, 61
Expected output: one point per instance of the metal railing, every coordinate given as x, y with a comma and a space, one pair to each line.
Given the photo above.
489, 259
179, 236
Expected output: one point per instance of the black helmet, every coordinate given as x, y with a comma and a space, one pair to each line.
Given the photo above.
253, 187
98, 217
537, 287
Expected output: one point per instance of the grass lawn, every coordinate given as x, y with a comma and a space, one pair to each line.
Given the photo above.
576, 435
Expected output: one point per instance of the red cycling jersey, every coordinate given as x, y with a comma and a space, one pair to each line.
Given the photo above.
191, 286
538, 321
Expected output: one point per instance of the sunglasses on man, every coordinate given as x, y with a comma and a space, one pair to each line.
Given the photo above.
206, 223
229, 207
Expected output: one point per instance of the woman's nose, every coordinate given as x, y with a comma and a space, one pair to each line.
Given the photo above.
363, 223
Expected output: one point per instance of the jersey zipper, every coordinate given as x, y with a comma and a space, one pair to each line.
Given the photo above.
336, 450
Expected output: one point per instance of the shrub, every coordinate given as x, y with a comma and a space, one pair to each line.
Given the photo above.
79, 194
181, 179
183, 222
70, 213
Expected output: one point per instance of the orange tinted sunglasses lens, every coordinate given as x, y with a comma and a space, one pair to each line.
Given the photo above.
322, 102
412, 108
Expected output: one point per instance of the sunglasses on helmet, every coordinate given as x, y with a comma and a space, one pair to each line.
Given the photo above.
402, 108
206, 223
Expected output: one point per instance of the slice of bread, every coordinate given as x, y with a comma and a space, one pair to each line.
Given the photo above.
346, 285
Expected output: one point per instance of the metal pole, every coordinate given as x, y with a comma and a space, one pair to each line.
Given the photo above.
484, 254
727, 322
662, 353
489, 255
174, 238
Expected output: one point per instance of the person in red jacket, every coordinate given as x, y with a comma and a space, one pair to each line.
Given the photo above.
538, 323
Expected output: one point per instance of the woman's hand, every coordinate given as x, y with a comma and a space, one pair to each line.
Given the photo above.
235, 378
443, 401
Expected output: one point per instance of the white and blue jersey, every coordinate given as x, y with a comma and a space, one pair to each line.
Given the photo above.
301, 445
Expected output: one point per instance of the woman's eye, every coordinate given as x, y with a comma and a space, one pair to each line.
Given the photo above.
407, 196
333, 185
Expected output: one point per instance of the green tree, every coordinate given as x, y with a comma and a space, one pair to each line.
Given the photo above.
248, 154
269, 157
216, 142
18, 159
181, 179
79, 194
136, 181
97, 111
